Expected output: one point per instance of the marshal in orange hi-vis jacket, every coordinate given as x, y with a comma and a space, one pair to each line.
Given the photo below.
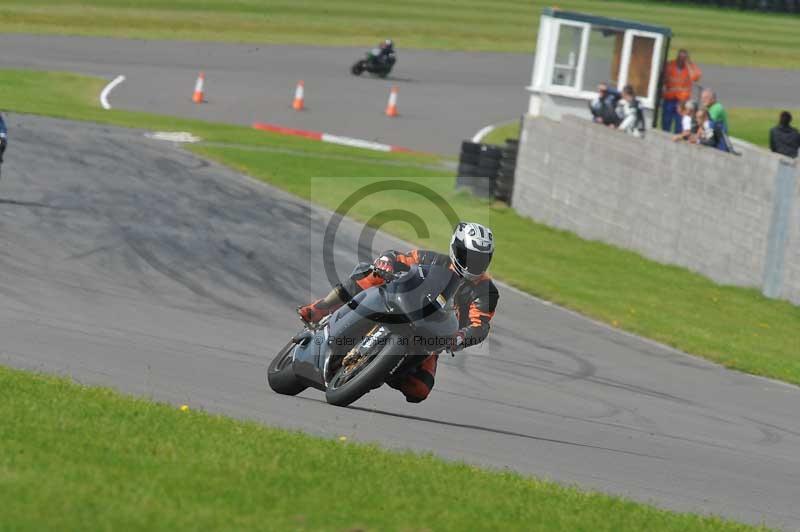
679, 76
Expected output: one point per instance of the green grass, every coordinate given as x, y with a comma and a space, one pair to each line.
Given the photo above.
503, 131
727, 37
80, 458
753, 124
734, 326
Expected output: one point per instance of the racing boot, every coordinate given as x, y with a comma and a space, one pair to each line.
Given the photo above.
313, 312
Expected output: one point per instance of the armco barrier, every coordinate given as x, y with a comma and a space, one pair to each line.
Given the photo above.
735, 219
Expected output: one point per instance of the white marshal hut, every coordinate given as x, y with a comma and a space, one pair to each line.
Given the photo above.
575, 52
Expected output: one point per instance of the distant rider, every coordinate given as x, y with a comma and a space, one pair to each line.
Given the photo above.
475, 299
385, 52
3, 138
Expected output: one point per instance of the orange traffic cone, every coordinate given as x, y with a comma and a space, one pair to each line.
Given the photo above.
299, 96
391, 107
197, 97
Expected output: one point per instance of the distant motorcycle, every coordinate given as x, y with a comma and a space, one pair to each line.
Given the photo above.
382, 334
375, 64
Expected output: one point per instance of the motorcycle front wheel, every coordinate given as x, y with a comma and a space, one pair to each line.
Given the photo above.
280, 374
350, 384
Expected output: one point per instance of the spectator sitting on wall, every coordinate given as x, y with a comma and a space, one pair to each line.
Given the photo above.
716, 112
604, 107
679, 75
709, 132
783, 138
688, 121
631, 117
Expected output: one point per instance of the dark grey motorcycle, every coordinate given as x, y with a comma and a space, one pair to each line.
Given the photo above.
383, 333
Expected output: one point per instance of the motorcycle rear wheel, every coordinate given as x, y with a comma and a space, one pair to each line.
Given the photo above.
358, 68
280, 375
343, 389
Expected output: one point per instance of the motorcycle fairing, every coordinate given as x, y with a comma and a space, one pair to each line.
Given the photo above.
344, 330
418, 300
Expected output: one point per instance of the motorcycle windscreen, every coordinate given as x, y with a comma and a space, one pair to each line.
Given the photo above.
423, 296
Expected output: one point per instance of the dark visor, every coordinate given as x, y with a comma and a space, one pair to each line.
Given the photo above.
473, 261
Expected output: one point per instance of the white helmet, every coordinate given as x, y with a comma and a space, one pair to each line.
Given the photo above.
471, 249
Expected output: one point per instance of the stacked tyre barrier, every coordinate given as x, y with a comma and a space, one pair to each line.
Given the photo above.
476, 169
504, 184
487, 170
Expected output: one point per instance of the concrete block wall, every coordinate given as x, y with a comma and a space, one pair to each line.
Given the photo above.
790, 282
727, 217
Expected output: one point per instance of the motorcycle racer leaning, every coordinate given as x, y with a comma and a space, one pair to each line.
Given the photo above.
475, 299
385, 52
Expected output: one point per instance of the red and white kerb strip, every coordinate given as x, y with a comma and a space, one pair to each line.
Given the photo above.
333, 139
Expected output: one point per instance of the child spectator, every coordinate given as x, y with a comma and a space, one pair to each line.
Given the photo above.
688, 122
631, 117
783, 138
709, 132
603, 108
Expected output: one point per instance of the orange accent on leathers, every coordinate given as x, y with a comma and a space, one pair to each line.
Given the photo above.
369, 281
414, 387
678, 81
410, 259
475, 315
429, 364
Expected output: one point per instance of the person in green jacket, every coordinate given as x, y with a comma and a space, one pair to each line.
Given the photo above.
716, 111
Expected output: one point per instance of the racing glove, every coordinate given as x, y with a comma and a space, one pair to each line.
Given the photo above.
459, 341
384, 266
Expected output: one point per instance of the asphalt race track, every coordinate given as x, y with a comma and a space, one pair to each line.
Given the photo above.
129, 262
444, 97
